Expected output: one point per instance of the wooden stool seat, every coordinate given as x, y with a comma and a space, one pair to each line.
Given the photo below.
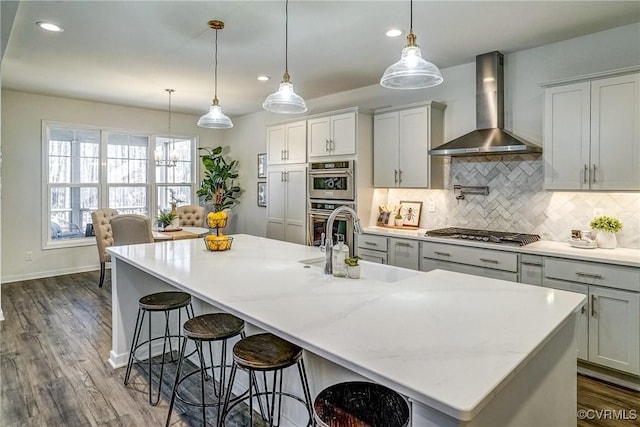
213, 327
265, 352
162, 301
360, 404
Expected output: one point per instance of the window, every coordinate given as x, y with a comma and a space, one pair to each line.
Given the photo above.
89, 169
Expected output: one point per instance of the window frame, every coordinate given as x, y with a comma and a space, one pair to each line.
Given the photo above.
152, 187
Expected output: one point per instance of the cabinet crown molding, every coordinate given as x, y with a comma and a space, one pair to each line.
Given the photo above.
592, 76
432, 104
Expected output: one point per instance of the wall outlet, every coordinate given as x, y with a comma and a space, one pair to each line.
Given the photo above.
597, 212
431, 206
28, 256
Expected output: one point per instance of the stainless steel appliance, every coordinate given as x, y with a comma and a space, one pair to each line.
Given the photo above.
319, 211
332, 180
518, 239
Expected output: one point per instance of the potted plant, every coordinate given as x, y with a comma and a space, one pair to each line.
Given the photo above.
398, 220
165, 219
353, 268
606, 228
218, 186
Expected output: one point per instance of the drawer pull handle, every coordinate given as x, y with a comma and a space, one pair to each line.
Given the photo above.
583, 309
591, 275
371, 243
404, 245
593, 305
489, 260
441, 253
534, 264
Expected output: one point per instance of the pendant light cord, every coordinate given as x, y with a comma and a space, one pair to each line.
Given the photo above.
411, 17
286, 36
215, 70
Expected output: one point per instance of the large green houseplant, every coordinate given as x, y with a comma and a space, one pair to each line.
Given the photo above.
218, 186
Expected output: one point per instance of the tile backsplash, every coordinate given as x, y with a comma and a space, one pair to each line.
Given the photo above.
517, 201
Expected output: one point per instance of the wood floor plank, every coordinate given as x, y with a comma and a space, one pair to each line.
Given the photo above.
54, 345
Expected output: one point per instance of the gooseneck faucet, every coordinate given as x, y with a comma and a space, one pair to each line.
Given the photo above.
328, 245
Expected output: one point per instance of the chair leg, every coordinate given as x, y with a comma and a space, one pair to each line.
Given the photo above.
103, 267
177, 380
134, 344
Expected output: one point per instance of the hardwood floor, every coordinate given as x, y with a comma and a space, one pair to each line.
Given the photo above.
54, 345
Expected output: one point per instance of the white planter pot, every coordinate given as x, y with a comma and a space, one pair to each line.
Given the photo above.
398, 222
606, 240
353, 271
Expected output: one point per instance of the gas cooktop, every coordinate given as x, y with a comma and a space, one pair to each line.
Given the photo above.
489, 236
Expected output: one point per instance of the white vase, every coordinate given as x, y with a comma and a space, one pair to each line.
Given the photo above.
398, 222
353, 271
606, 240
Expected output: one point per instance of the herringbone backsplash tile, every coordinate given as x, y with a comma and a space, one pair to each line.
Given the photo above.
518, 202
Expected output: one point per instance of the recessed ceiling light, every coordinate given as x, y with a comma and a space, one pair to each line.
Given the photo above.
394, 32
264, 78
50, 26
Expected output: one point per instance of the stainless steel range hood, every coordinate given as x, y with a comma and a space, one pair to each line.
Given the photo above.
489, 137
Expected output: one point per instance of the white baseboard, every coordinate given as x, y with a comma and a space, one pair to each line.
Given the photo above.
614, 377
50, 273
121, 360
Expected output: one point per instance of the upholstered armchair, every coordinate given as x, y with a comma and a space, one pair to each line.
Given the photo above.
191, 216
131, 229
104, 237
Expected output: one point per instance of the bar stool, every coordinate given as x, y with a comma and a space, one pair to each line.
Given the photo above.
154, 303
360, 404
207, 328
266, 353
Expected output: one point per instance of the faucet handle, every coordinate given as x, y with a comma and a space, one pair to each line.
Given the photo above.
323, 245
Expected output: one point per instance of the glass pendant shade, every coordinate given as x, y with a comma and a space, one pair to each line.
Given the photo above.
412, 71
285, 100
215, 118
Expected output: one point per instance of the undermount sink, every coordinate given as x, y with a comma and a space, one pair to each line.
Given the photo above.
370, 270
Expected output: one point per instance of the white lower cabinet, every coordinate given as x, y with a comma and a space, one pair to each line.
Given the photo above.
286, 203
464, 259
609, 324
372, 248
531, 269
404, 253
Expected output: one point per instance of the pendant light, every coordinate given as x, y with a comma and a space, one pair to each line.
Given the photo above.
285, 100
159, 154
215, 118
412, 71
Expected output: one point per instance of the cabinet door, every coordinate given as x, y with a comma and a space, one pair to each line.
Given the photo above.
275, 145
531, 269
318, 137
567, 137
615, 133
404, 253
413, 163
343, 134
614, 329
372, 256
386, 134
296, 142
582, 321
275, 203
296, 204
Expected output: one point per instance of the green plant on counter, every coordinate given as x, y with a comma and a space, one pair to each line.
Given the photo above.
398, 216
218, 186
606, 223
166, 218
352, 261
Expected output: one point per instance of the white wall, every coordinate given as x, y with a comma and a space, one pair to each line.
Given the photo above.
21, 216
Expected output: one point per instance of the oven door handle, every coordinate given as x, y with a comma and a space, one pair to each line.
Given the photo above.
330, 172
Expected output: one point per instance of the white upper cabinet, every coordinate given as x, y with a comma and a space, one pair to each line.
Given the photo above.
333, 135
287, 143
592, 135
401, 141
287, 203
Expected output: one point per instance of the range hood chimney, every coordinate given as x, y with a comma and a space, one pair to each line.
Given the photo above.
489, 136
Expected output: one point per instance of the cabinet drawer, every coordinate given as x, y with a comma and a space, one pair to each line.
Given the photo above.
427, 264
593, 273
497, 260
531, 269
372, 256
369, 241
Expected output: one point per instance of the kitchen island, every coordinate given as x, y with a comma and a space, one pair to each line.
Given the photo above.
464, 350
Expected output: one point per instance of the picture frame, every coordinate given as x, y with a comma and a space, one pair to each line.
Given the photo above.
410, 212
262, 194
262, 165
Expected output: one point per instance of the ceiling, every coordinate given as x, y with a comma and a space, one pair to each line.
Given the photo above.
129, 52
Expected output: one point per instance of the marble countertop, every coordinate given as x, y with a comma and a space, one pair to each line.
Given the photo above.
619, 256
445, 339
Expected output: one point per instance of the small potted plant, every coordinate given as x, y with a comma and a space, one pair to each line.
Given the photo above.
165, 219
353, 268
398, 220
606, 228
